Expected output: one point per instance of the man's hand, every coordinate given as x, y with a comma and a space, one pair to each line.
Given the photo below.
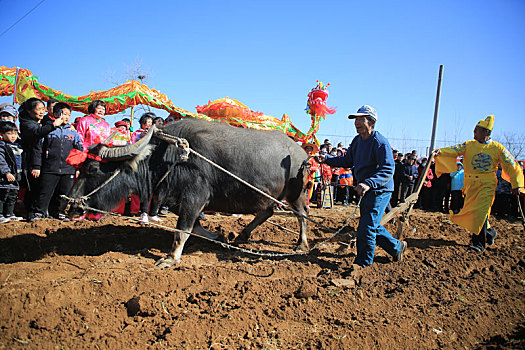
35, 173
362, 188
435, 152
411, 178
58, 121
516, 191
10, 177
320, 158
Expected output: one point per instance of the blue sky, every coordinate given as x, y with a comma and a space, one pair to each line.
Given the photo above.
269, 54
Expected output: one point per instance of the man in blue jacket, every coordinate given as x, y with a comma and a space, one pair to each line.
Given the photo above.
370, 155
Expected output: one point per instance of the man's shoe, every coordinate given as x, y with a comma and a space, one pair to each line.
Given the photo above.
491, 236
14, 218
3, 220
476, 248
399, 256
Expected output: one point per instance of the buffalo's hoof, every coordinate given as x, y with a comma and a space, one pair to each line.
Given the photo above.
165, 262
302, 247
242, 238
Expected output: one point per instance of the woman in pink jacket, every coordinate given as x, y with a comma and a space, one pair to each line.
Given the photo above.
93, 128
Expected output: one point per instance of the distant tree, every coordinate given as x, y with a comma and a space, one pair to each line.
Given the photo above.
133, 71
513, 142
459, 122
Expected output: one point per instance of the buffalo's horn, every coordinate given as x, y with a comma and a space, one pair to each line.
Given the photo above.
126, 152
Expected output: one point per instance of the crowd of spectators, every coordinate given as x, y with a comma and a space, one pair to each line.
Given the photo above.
35, 143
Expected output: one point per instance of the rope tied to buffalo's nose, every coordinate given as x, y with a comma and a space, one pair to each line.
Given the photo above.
177, 141
80, 202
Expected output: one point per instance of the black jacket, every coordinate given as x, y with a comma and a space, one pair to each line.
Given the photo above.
30, 133
409, 170
399, 171
8, 165
56, 147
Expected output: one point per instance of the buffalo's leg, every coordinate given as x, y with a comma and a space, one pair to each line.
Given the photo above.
187, 216
156, 202
259, 219
300, 206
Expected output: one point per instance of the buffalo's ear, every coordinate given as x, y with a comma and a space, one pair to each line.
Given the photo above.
118, 153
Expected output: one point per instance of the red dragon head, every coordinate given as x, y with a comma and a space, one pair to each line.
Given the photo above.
316, 104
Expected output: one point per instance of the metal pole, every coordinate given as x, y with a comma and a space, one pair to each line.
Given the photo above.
436, 110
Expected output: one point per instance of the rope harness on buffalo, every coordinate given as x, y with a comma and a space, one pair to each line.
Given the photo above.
81, 202
182, 143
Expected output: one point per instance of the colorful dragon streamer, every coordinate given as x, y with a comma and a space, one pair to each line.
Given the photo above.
117, 99
237, 114
133, 93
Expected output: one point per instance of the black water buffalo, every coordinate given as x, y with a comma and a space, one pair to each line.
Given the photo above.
156, 167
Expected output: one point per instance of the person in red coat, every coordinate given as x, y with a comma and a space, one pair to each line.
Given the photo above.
425, 195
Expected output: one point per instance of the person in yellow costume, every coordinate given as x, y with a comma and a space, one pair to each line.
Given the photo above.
480, 160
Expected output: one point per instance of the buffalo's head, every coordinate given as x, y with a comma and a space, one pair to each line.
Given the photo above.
94, 188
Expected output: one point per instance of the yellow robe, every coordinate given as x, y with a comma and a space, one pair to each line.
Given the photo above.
480, 162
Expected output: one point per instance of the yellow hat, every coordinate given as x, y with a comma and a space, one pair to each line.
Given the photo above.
488, 123
315, 148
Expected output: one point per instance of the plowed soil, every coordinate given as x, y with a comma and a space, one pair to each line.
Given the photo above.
94, 285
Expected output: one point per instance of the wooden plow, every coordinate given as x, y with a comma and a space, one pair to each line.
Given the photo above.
402, 210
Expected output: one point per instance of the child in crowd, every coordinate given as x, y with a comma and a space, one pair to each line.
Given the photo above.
128, 123
55, 173
8, 113
10, 170
146, 121
122, 136
456, 189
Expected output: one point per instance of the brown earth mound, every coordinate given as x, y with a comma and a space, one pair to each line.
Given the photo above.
94, 285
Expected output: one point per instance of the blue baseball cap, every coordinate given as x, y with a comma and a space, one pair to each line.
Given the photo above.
10, 110
364, 111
